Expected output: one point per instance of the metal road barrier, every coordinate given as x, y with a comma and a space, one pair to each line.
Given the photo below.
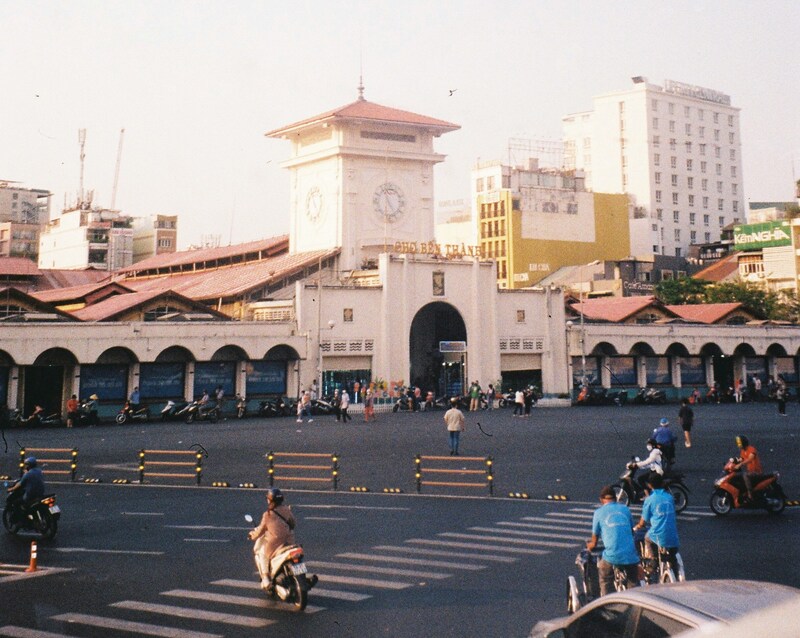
287, 471
172, 462
71, 461
437, 465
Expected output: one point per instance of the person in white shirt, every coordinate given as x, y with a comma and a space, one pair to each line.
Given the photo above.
652, 464
344, 405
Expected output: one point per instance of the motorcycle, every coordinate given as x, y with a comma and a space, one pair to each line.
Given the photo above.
174, 410
288, 582
627, 491
651, 396
197, 412
406, 403
36, 419
127, 413
241, 407
42, 517
767, 492
601, 396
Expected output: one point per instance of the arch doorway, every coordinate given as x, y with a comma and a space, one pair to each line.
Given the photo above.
433, 370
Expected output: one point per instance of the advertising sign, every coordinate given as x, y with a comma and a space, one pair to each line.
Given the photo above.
109, 382
210, 374
452, 346
161, 380
764, 235
266, 377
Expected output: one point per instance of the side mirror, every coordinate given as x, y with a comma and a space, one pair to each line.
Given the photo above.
248, 518
636, 459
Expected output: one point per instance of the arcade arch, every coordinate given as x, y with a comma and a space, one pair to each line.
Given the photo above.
441, 370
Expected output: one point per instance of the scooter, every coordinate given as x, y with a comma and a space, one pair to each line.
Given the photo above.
651, 396
288, 582
241, 407
127, 413
41, 518
36, 419
730, 487
174, 410
628, 491
197, 412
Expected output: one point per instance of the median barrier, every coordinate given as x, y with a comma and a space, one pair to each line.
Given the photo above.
71, 460
170, 459
469, 466
284, 466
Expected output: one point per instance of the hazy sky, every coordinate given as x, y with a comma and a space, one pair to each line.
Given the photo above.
197, 84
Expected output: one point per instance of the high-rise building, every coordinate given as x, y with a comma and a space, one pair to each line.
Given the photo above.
676, 149
154, 235
23, 214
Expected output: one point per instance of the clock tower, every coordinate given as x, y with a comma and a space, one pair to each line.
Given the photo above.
361, 179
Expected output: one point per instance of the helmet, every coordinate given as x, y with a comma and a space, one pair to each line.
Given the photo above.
30, 462
742, 441
652, 441
664, 422
274, 495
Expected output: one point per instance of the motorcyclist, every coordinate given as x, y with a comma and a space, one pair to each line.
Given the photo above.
653, 464
27, 491
658, 511
275, 529
665, 438
613, 523
749, 464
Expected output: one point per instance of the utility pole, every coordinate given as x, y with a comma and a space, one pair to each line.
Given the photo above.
116, 170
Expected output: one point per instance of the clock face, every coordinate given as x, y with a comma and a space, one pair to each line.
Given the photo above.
389, 202
314, 204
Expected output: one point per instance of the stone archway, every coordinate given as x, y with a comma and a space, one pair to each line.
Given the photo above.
431, 369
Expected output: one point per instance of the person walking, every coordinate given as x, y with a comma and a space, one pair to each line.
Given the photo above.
490, 395
519, 403
72, 410
474, 397
304, 408
454, 419
344, 405
686, 419
369, 406
780, 395
337, 404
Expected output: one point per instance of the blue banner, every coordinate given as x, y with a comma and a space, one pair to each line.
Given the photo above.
107, 381
210, 374
266, 377
693, 371
161, 380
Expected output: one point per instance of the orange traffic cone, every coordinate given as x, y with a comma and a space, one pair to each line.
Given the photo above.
34, 550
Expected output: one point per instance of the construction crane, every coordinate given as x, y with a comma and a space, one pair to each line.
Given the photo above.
116, 170
82, 142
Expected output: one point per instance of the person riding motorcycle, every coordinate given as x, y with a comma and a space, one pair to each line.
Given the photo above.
658, 511
275, 529
653, 464
665, 438
28, 491
749, 465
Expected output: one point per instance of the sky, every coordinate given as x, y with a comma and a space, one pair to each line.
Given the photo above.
196, 85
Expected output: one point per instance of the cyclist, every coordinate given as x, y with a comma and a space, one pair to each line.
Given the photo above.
613, 523
658, 511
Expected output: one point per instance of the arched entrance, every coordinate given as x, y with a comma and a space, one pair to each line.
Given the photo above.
44, 380
432, 369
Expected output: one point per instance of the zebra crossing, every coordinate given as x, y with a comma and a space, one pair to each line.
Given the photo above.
346, 578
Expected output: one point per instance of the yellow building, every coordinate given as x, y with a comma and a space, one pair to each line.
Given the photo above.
540, 220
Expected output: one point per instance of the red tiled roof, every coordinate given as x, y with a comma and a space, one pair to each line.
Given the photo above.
613, 309
364, 110
67, 278
203, 255
232, 280
18, 266
73, 293
705, 312
110, 307
722, 270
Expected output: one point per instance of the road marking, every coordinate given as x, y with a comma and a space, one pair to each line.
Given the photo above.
479, 546
133, 627
143, 513
10, 573
324, 518
440, 552
207, 527
519, 532
584, 517
571, 522
352, 507
555, 528
78, 550
317, 591
206, 540
364, 582
261, 602
412, 561
501, 539
376, 570
188, 612
21, 632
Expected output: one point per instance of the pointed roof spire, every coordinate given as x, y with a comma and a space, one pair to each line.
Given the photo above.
361, 87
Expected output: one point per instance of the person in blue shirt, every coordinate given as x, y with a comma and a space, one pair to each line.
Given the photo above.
27, 491
613, 523
658, 511
666, 440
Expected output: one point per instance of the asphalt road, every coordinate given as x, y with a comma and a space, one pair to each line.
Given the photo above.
449, 561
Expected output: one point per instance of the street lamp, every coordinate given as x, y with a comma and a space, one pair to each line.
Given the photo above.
331, 325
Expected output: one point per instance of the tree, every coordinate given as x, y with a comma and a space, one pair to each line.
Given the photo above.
764, 302
683, 290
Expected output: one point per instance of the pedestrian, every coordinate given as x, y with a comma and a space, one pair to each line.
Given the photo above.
737, 390
72, 410
528, 399
314, 389
686, 419
134, 399
337, 404
304, 408
780, 395
490, 394
519, 403
474, 397
757, 388
344, 405
454, 419
369, 406
219, 395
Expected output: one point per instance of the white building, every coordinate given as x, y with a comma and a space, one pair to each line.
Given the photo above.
154, 235
676, 149
23, 213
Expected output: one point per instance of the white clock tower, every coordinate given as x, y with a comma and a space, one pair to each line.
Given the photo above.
361, 179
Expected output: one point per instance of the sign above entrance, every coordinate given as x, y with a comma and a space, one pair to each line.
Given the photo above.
452, 346
446, 251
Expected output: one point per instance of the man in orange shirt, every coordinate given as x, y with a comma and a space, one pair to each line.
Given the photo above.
72, 410
750, 463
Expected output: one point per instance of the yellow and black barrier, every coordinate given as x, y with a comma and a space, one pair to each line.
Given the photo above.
172, 461
284, 466
443, 465
71, 461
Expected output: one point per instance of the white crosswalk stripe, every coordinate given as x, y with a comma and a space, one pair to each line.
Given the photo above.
195, 614
317, 592
22, 632
388, 571
147, 629
422, 551
494, 530
479, 546
364, 582
382, 558
501, 539
555, 528
261, 602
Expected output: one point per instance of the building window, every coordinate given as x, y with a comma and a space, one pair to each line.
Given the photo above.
731, 138
689, 164
702, 149
691, 198
675, 199
658, 178
688, 129
654, 105
688, 147
490, 183
164, 243
735, 206
704, 184
705, 205
730, 120
673, 145
656, 141
660, 213
719, 187
658, 196
687, 111
656, 159
721, 221
479, 184
716, 135
733, 171
673, 162
720, 205
716, 118
674, 180
654, 228
705, 220
717, 152
655, 123
520, 316
701, 131
677, 234
676, 216
693, 236
672, 126
703, 166
708, 237
671, 108
678, 252
718, 168
690, 182
700, 114
692, 218
733, 155
734, 189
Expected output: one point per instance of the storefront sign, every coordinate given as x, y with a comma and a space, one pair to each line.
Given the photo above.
448, 251
210, 374
109, 382
161, 380
764, 235
452, 346
699, 92
266, 377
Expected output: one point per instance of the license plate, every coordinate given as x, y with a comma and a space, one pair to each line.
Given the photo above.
55, 509
298, 568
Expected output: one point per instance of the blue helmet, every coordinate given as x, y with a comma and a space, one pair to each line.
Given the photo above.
30, 462
664, 422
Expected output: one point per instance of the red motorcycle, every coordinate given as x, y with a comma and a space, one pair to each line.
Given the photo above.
767, 492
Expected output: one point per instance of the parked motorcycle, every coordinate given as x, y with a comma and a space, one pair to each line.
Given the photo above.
289, 582
406, 403
174, 410
41, 518
197, 412
601, 396
730, 487
127, 413
37, 418
241, 407
628, 491
650, 396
